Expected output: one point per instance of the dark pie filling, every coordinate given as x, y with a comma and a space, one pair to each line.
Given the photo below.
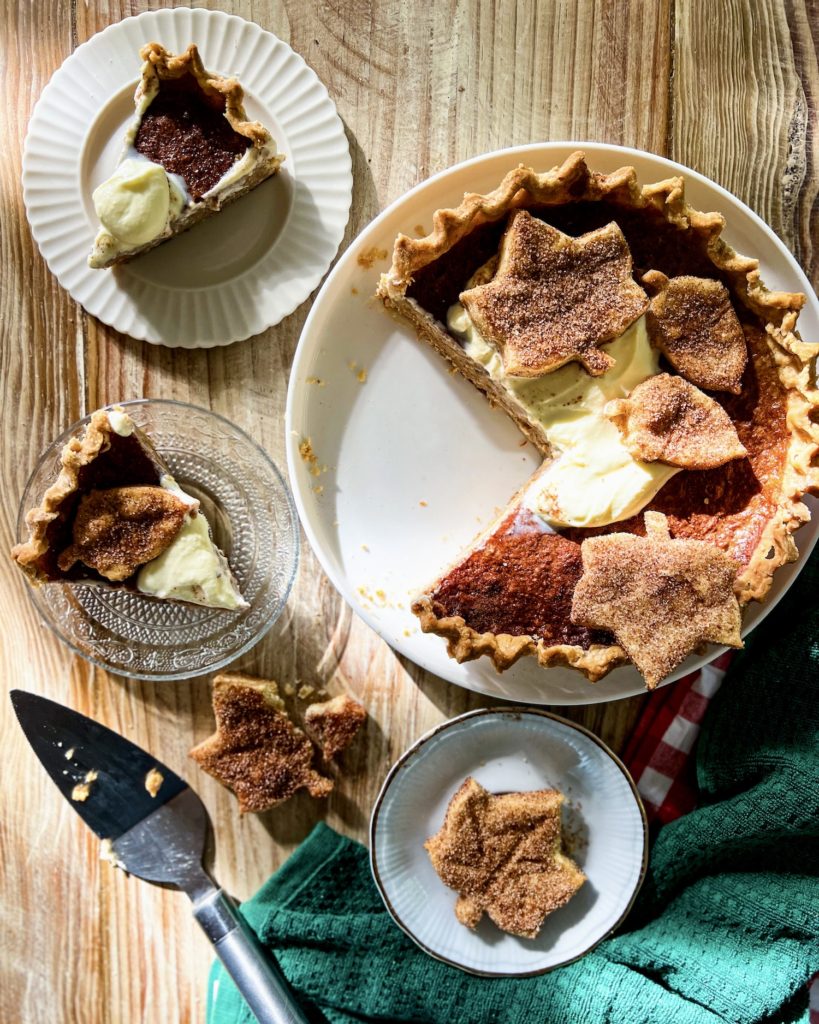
520, 581
187, 132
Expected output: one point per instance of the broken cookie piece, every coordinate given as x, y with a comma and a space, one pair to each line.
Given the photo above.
692, 322
661, 598
256, 750
503, 856
333, 724
666, 419
555, 298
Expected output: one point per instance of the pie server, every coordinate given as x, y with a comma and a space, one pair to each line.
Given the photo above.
158, 838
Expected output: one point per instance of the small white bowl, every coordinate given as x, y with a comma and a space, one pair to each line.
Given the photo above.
510, 749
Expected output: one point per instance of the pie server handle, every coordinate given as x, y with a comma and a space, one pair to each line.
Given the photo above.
252, 969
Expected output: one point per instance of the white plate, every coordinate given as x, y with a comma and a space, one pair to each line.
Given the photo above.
415, 433
234, 275
509, 750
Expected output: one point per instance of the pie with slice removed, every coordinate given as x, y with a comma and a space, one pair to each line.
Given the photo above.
655, 373
115, 517
189, 150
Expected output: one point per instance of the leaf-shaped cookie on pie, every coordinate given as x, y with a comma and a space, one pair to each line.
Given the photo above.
666, 419
661, 598
692, 322
555, 298
121, 528
503, 856
256, 750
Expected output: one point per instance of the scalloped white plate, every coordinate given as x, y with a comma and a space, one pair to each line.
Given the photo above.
510, 750
237, 273
417, 462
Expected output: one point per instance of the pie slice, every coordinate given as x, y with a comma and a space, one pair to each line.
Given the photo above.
510, 593
115, 517
256, 750
189, 151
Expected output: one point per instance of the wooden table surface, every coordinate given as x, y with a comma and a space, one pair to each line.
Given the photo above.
729, 88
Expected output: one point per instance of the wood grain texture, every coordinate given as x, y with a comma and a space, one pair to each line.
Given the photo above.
728, 88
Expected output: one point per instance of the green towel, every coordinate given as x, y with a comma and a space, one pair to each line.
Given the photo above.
726, 927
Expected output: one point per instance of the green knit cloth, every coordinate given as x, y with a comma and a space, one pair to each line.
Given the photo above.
726, 927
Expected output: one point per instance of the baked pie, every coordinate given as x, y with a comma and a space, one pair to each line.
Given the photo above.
189, 151
656, 374
115, 517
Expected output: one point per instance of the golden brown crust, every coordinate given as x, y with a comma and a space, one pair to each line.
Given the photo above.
118, 529
503, 856
160, 64
570, 182
692, 322
77, 453
504, 649
333, 724
256, 750
554, 298
661, 598
666, 419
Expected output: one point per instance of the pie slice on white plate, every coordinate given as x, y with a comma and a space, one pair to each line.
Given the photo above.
189, 151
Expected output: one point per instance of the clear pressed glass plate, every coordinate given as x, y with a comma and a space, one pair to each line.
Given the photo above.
253, 521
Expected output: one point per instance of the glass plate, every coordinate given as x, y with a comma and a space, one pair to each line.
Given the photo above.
251, 513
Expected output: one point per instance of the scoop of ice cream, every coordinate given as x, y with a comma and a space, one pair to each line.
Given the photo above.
133, 204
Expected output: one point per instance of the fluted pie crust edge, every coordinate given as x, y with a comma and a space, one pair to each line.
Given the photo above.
777, 311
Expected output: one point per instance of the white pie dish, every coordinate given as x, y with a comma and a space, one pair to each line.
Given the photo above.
239, 272
417, 460
506, 750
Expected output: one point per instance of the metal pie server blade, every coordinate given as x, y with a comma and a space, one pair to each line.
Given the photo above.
159, 838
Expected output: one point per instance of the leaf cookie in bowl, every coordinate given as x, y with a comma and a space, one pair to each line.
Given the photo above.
503, 855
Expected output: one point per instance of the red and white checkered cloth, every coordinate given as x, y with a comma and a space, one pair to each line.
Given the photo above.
660, 752
660, 755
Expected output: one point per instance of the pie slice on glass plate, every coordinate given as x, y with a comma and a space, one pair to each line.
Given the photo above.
559, 295
189, 151
115, 517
